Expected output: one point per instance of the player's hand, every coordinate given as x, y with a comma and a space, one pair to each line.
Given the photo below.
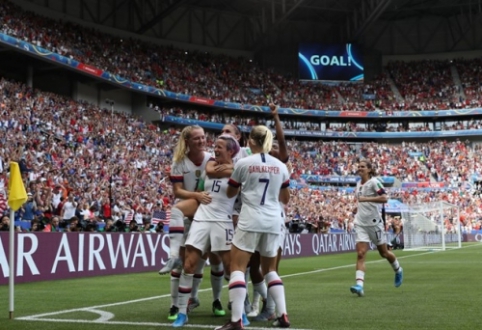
223, 167
274, 109
204, 198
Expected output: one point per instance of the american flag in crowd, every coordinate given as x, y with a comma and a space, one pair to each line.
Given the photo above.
3, 203
161, 216
129, 217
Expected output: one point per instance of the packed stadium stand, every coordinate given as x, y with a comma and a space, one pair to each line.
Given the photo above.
115, 166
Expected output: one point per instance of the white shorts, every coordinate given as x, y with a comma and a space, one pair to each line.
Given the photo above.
210, 236
374, 234
284, 232
187, 228
267, 244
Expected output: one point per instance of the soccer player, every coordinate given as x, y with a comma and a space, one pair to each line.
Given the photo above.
280, 151
369, 226
212, 228
189, 162
264, 183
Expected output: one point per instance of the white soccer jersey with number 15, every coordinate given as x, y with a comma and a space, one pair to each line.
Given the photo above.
261, 177
221, 207
188, 173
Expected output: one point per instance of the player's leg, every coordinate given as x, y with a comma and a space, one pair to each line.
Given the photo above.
217, 277
197, 242
268, 249
191, 259
241, 250
362, 245
260, 289
381, 243
221, 240
182, 209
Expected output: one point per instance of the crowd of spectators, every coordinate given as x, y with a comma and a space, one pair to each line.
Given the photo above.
84, 167
424, 85
321, 124
74, 155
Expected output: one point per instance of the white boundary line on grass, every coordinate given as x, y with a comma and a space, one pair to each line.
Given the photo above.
106, 316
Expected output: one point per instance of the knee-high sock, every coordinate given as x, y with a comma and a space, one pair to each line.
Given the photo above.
176, 232
276, 290
259, 290
175, 275
198, 277
237, 294
185, 288
217, 274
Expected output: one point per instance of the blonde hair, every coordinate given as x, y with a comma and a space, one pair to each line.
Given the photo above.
181, 147
262, 137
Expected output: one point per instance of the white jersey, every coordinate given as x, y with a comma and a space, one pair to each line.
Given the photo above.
221, 207
243, 153
368, 213
261, 177
188, 173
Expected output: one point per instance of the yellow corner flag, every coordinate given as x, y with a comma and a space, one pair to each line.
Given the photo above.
16, 190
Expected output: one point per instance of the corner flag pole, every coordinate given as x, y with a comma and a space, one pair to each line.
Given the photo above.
16, 197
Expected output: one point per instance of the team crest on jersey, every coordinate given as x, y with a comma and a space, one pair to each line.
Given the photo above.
198, 173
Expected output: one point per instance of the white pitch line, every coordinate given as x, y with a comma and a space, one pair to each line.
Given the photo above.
94, 308
194, 326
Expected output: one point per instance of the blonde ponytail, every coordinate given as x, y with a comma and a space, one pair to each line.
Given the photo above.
268, 141
262, 137
181, 148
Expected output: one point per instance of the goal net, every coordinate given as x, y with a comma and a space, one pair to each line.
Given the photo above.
431, 226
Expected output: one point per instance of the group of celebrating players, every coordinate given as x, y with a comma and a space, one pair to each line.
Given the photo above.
243, 188
210, 191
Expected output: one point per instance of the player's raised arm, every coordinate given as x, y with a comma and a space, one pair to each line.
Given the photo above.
280, 136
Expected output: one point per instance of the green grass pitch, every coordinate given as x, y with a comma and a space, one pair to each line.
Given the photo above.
441, 290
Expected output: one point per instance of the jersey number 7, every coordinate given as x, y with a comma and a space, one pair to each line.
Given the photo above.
266, 182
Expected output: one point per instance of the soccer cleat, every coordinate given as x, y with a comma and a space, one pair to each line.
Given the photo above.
265, 314
170, 265
231, 326
173, 313
245, 320
282, 322
254, 310
399, 277
358, 289
192, 304
218, 308
180, 320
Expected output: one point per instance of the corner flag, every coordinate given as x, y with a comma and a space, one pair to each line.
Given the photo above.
16, 190
16, 197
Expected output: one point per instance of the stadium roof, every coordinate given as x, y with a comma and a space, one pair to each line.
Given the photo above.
216, 23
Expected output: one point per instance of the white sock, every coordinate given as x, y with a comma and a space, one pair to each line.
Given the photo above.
395, 265
360, 277
175, 276
217, 274
198, 277
255, 300
184, 292
277, 291
176, 232
260, 290
237, 294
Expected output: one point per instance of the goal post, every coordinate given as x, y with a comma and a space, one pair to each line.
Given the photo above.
431, 226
